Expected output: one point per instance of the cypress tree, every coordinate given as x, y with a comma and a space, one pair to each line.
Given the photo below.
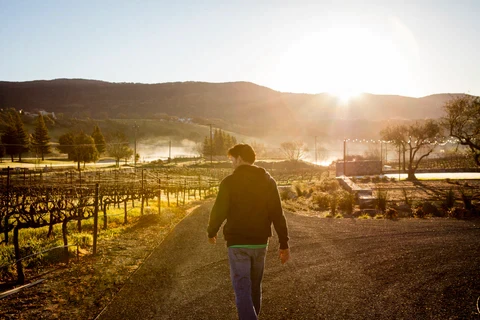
22, 138
206, 147
222, 141
9, 140
2, 151
99, 140
41, 139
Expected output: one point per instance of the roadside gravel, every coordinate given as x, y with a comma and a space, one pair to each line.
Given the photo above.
340, 269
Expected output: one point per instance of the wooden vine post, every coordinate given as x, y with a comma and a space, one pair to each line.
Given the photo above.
143, 194
20, 274
125, 219
159, 196
65, 240
200, 187
184, 189
105, 218
177, 191
168, 191
95, 220
7, 205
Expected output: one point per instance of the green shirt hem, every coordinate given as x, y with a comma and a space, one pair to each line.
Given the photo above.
250, 246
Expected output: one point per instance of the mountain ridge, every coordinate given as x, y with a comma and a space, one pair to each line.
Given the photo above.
247, 106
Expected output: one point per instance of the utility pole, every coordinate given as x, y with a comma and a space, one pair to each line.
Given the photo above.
399, 162
135, 127
211, 145
381, 155
169, 150
386, 153
316, 150
345, 157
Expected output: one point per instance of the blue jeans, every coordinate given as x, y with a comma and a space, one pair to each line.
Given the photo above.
246, 272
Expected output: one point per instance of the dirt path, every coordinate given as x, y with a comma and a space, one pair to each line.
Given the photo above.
341, 269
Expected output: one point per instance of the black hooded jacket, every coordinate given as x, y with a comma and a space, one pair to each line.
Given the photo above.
248, 199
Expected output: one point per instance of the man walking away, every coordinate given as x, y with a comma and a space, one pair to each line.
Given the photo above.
248, 199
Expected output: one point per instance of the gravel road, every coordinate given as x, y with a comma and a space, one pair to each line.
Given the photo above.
340, 269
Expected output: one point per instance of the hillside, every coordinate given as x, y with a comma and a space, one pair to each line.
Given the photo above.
238, 106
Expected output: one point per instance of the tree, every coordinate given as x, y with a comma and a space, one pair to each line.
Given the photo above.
22, 138
99, 140
462, 121
9, 140
207, 147
398, 136
85, 150
41, 139
294, 150
2, 151
66, 144
260, 150
117, 147
14, 137
221, 142
79, 147
418, 139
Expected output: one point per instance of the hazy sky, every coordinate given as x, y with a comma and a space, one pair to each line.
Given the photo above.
409, 47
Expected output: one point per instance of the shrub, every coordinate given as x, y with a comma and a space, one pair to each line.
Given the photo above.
284, 194
457, 213
365, 179
384, 179
333, 204
376, 179
364, 216
449, 201
418, 212
322, 200
329, 185
381, 200
391, 214
466, 198
346, 202
430, 209
298, 189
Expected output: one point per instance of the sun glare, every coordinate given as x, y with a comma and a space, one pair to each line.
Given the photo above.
345, 96
348, 60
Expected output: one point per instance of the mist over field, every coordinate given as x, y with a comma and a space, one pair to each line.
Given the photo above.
153, 149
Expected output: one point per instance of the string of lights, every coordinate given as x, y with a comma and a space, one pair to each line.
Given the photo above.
436, 142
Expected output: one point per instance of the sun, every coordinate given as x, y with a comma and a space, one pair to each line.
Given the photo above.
344, 96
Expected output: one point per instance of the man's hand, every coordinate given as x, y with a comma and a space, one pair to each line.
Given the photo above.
212, 240
284, 255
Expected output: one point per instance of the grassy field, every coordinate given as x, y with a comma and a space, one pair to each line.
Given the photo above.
87, 282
